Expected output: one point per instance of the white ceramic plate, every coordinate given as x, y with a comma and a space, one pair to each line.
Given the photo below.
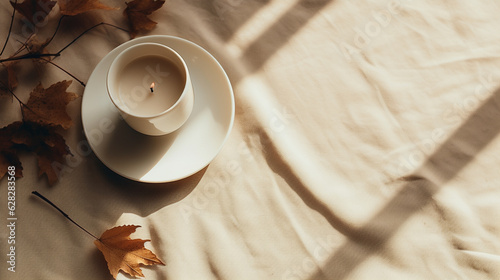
156, 159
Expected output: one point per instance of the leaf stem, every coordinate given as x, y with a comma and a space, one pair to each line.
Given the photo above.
88, 29
62, 212
24, 45
64, 70
11, 92
21, 104
29, 56
55, 31
10, 28
39, 55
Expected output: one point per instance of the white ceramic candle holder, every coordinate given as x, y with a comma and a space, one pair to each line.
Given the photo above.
150, 85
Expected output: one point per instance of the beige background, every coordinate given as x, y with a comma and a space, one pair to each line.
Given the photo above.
364, 147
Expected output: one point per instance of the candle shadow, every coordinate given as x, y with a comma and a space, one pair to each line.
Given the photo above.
141, 152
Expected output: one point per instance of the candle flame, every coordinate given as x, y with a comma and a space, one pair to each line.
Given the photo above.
152, 87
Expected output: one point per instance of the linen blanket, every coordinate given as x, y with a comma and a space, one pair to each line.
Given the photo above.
364, 146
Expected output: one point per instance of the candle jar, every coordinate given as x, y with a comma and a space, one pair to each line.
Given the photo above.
150, 85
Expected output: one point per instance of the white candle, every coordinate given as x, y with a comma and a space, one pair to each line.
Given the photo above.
136, 79
152, 111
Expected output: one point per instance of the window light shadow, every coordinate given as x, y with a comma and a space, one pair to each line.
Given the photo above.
417, 191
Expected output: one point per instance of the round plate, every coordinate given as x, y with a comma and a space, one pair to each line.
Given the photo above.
157, 159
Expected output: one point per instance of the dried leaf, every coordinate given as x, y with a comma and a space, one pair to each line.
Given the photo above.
123, 253
36, 47
42, 115
11, 76
46, 143
75, 7
35, 11
8, 152
8, 79
10, 158
48, 106
137, 13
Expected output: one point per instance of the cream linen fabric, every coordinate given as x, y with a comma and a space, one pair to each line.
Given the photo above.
364, 147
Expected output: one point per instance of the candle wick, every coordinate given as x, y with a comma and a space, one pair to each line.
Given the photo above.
152, 87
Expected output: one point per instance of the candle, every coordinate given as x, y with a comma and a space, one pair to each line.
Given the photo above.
150, 85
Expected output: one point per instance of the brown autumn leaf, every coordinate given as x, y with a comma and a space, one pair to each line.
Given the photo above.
8, 78
44, 141
137, 13
48, 106
35, 11
8, 151
75, 7
36, 47
123, 253
37, 133
10, 158
49, 146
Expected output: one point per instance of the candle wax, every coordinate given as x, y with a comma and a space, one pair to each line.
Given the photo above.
135, 81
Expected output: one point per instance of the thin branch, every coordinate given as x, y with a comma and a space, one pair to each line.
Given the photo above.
10, 28
38, 55
90, 28
24, 46
62, 212
64, 70
21, 104
55, 31
30, 56
11, 92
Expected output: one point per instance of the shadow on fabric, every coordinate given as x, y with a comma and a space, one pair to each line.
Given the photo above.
417, 191
257, 53
275, 37
151, 196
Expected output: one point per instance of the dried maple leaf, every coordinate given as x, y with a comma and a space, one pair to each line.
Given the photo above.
36, 47
8, 152
10, 158
42, 115
123, 253
8, 79
35, 11
75, 7
137, 13
48, 106
46, 143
